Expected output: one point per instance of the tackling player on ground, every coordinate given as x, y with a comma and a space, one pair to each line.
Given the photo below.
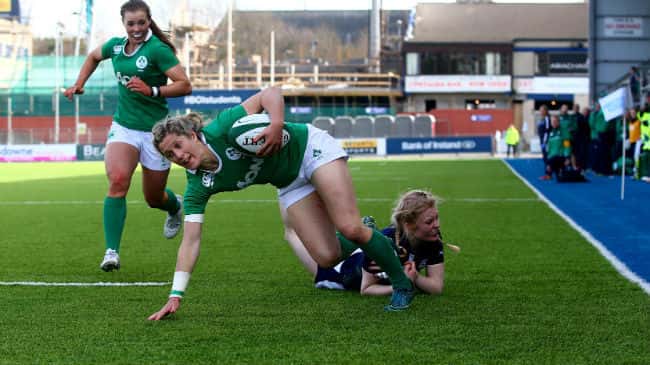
310, 172
414, 229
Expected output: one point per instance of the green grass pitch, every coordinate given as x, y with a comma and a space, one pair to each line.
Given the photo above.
526, 288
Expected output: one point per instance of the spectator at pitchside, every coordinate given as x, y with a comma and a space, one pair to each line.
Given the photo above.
634, 138
644, 158
582, 136
543, 129
568, 127
593, 137
512, 140
558, 153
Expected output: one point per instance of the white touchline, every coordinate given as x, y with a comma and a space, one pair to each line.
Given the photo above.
44, 283
618, 264
250, 201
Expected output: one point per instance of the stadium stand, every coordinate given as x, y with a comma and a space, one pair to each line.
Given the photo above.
383, 126
343, 127
403, 126
423, 125
324, 123
363, 127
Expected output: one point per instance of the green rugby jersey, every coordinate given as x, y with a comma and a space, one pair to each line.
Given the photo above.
149, 63
555, 145
237, 171
568, 126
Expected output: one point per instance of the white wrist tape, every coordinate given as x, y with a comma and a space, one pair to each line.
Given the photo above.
155, 91
181, 279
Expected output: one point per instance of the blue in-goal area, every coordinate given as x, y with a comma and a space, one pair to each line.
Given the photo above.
618, 228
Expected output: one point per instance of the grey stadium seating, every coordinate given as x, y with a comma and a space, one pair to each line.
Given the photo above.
343, 127
363, 127
324, 123
384, 126
423, 125
403, 126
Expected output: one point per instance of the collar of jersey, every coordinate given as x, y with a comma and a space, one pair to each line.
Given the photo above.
215, 171
146, 39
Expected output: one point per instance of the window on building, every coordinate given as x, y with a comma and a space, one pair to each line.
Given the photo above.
430, 104
561, 63
326, 101
465, 63
471, 104
412, 63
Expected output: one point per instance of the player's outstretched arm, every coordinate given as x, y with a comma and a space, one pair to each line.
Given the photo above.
434, 280
87, 69
188, 254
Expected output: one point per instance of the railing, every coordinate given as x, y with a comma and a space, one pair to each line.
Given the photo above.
48, 136
640, 90
253, 80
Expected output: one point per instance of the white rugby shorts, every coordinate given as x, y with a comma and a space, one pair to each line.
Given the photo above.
143, 142
321, 149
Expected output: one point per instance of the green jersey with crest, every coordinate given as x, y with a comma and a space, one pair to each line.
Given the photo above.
236, 170
149, 62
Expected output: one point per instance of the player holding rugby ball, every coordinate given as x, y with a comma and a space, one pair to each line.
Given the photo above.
308, 167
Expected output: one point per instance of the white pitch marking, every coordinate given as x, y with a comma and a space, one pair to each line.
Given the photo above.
608, 255
43, 283
249, 201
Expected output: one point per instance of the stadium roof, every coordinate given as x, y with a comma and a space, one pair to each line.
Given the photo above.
499, 23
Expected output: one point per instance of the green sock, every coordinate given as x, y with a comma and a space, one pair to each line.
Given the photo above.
172, 204
114, 218
379, 248
347, 246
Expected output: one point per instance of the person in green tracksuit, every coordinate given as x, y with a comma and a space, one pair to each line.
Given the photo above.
568, 123
143, 62
315, 189
557, 148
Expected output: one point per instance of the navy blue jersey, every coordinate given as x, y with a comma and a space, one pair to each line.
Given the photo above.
425, 254
348, 273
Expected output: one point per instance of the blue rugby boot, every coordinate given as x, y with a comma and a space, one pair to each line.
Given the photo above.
369, 221
400, 300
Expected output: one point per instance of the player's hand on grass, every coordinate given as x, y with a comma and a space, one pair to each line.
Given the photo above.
272, 136
169, 308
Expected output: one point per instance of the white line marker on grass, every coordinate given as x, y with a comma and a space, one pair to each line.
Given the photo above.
618, 264
251, 201
43, 283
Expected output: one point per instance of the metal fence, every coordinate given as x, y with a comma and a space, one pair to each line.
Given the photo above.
96, 135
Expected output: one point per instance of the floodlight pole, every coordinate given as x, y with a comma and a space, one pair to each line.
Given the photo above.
76, 59
188, 69
272, 59
58, 52
10, 130
229, 51
187, 54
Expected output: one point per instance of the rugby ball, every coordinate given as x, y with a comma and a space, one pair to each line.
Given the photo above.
243, 131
